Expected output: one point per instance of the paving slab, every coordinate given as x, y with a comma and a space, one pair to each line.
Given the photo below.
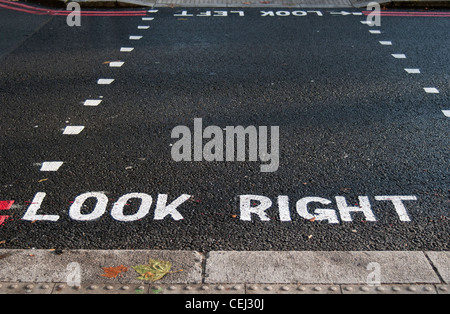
50, 266
319, 267
441, 261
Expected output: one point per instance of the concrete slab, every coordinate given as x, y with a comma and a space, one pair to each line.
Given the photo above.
441, 261
319, 267
47, 266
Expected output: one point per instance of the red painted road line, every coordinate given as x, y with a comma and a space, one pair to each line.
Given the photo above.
39, 11
5, 205
401, 13
65, 13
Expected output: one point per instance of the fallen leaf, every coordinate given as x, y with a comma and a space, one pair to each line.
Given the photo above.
312, 219
154, 270
310, 236
113, 272
234, 216
3, 242
42, 180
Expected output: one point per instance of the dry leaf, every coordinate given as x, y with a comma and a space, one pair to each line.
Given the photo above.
113, 272
312, 219
3, 242
154, 270
234, 216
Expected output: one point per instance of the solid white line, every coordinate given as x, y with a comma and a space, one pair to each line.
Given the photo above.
73, 129
431, 90
126, 49
143, 27
386, 43
116, 64
92, 102
105, 81
374, 31
413, 71
51, 165
133, 37
446, 113
399, 56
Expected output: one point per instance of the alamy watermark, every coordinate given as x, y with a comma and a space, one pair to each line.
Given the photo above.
74, 17
235, 145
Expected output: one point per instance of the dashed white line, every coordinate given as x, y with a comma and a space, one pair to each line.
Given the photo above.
148, 18
431, 90
413, 71
73, 129
446, 113
374, 31
92, 102
399, 56
386, 42
116, 64
133, 37
143, 27
126, 49
105, 81
51, 165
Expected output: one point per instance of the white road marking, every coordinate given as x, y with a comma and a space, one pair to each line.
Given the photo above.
133, 37
152, 11
431, 90
126, 49
446, 113
143, 27
148, 18
386, 42
413, 71
105, 81
399, 56
116, 64
51, 165
73, 129
92, 102
374, 31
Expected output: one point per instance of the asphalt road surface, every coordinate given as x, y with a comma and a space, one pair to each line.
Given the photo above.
87, 152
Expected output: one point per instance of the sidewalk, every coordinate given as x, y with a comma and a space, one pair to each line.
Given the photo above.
227, 272
252, 3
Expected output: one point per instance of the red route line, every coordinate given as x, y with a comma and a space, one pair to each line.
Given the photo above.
401, 13
5, 205
39, 11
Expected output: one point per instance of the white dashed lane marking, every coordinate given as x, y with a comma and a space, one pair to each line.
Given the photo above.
116, 64
105, 81
386, 43
51, 165
73, 129
399, 56
134, 37
446, 113
413, 71
431, 90
126, 49
92, 102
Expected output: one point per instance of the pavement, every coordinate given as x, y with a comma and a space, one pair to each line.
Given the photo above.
251, 4
392, 256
